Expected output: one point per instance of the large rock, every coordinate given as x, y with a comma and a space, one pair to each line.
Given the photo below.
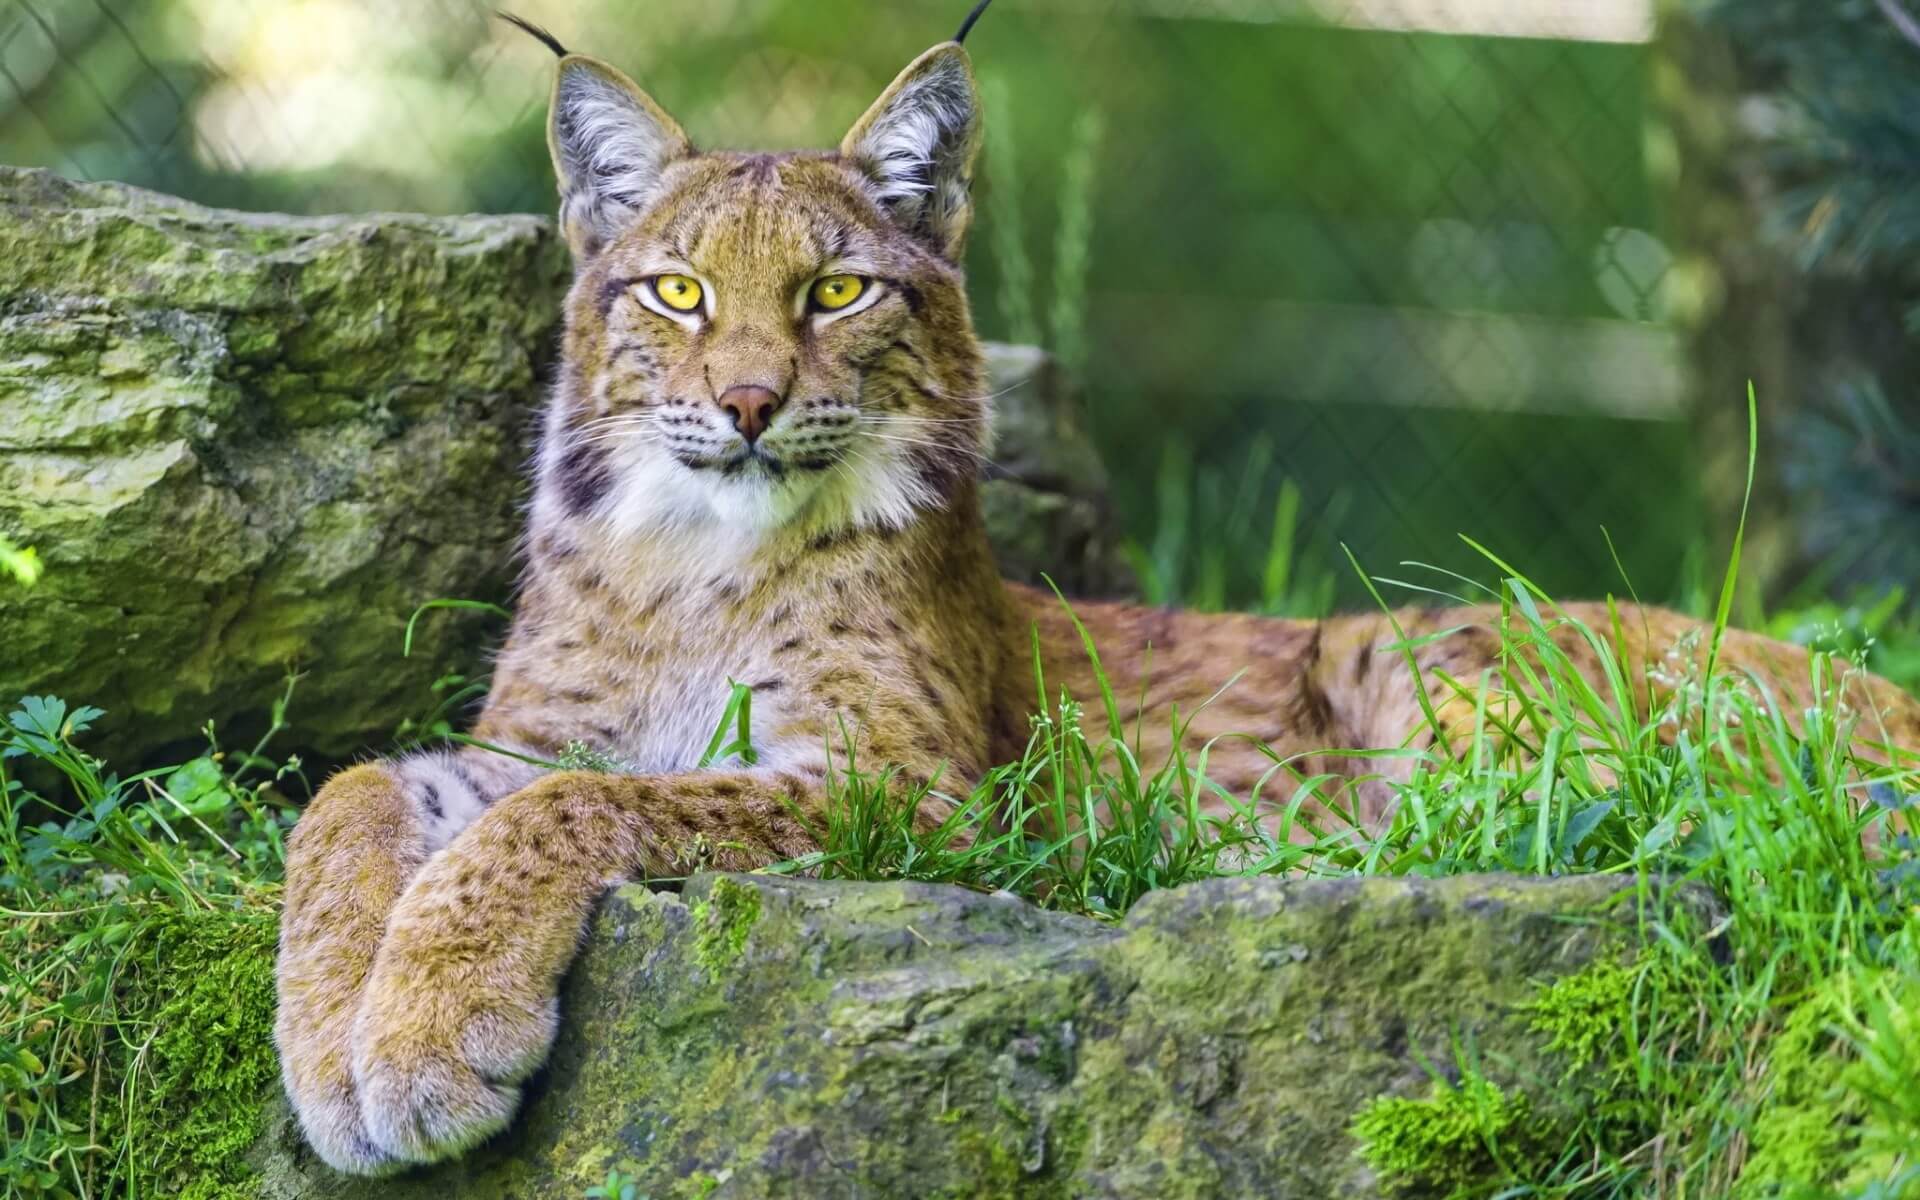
1045, 497
243, 444
248, 443
761, 1037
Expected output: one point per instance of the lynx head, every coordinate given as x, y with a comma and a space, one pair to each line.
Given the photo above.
758, 342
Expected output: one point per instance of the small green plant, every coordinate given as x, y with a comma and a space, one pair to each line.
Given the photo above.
618, 1186
733, 733
723, 921
1587, 1016
1882, 632
576, 755
406, 642
1006, 227
1073, 238
20, 562
1209, 551
1075, 823
452, 692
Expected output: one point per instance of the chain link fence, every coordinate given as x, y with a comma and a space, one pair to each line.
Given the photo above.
1382, 271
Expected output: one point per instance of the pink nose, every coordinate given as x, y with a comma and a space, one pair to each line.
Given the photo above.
751, 407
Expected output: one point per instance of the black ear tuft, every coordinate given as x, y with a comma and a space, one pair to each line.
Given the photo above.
966, 26
538, 34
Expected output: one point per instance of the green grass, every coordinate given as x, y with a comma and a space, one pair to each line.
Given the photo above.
1216, 545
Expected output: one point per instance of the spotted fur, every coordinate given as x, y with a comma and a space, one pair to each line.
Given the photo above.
837, 565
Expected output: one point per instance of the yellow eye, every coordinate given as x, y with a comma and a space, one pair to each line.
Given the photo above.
677, 292
837, 291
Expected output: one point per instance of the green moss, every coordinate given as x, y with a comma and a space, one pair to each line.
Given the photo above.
1457, 1141
991, 1160
1475, 1138
1005, 1153
208, 1187
1809, 1130
722, 922
1585, 1016
207, 989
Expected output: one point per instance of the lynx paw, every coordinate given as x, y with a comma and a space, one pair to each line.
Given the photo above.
330, 1119
427, 1109
436, 1076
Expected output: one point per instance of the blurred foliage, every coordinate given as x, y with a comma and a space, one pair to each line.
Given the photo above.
1834, 111
1881, 631
1838, 102
1856, 473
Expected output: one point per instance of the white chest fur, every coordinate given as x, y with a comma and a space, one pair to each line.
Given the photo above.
670, 718
670, 685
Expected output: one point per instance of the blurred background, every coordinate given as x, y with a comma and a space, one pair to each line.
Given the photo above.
1377, 273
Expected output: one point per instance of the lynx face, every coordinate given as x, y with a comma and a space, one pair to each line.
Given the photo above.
761, 342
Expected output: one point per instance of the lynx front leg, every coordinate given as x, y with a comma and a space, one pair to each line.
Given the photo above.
462, 1002
348, 862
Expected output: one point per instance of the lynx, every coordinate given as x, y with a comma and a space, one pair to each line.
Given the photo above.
759, 463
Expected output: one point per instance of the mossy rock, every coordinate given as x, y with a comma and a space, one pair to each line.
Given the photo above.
1045, 497
245, 444
766, 1037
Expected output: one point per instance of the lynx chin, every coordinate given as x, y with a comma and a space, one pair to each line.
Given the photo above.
759, 462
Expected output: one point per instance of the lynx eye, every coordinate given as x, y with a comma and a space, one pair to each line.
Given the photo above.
835, 292
677, 292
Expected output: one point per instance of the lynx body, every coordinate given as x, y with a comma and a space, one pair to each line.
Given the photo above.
758, 465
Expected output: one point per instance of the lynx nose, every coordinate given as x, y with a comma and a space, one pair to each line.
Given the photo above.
751, 407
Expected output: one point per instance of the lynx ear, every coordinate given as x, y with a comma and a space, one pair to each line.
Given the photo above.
610, 144
917, 143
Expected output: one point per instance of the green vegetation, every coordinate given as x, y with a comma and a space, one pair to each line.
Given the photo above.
1455, 1139
1774, 1048
1771, 1051
1239, 563
618, 1186
136, 962
20, 562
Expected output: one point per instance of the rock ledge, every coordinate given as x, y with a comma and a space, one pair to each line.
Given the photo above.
767, 1037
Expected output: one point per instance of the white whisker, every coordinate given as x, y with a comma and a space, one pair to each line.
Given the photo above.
642, 436
946, 447
981, 398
